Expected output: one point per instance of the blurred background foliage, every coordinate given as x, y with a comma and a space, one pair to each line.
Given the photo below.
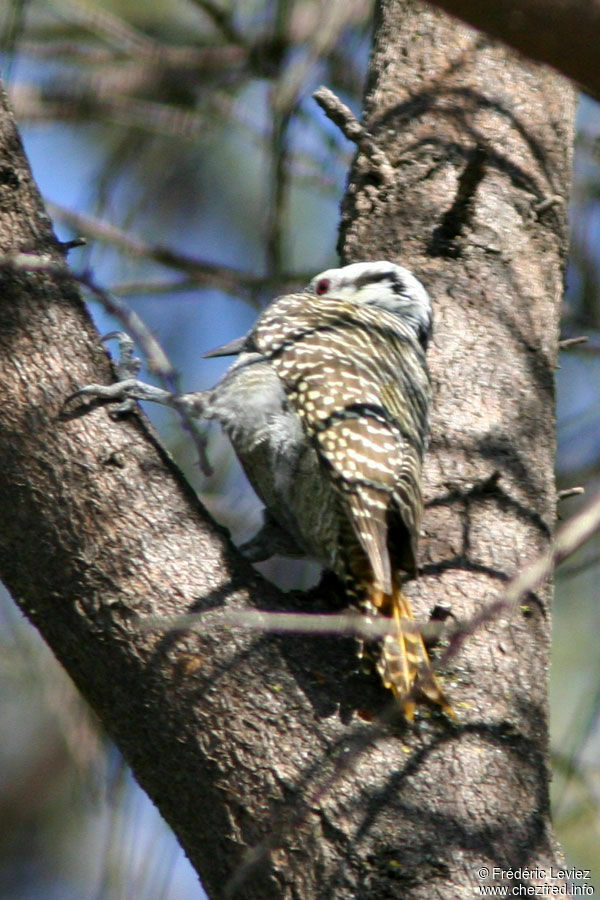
180, 138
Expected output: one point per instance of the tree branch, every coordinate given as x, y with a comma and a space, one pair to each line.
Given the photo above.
563, 34
227, 279
351, 128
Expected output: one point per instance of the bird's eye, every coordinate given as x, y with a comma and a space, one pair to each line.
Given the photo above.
323, 286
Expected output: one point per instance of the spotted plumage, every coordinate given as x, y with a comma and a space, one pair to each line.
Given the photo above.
327, 409
344, 456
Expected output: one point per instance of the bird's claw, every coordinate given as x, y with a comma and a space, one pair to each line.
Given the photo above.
127, 365
126, 389
119, 390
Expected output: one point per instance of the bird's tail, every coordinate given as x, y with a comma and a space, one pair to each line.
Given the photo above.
404, 663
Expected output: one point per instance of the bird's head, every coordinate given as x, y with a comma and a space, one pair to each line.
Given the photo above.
381, 284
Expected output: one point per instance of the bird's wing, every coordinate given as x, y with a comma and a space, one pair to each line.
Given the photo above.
342, 368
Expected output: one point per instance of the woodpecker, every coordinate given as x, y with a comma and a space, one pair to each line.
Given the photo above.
327, 408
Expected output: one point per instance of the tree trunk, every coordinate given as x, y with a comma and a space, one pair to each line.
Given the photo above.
251, 748
481, 146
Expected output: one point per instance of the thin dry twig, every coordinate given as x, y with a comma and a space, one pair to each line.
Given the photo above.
570, 492
351, 624
203, 272
572, 342
349, 125
569, 538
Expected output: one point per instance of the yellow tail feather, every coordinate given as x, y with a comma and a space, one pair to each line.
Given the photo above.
404, 663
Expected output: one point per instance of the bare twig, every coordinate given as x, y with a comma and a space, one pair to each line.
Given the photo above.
572, 535
569, 538
202, 271
139, 288
349, 125
570, 492
572, 342
571, 571
158, 361
351, 624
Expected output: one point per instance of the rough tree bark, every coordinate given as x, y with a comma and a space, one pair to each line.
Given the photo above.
251, 748
562, 33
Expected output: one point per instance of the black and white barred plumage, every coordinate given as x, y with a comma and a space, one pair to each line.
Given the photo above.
327, 409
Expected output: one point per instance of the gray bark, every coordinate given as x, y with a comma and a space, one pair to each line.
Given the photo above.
254, 750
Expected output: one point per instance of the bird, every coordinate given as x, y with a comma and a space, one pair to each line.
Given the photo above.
327, 407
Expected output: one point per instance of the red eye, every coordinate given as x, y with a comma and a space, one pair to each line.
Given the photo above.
323, 286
